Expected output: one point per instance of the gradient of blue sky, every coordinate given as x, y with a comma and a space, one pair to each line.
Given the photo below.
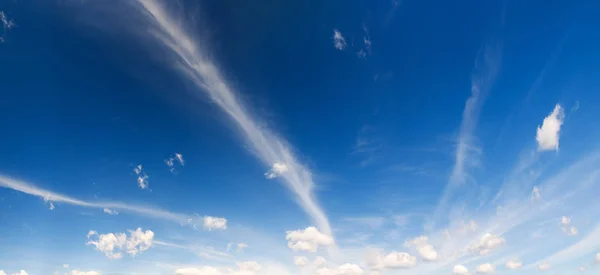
416, 137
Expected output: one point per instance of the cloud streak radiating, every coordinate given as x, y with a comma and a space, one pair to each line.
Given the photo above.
268, 147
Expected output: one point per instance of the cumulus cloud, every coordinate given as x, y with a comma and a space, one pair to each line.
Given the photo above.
2, 272
399, 260
300, 261
514, 264
320, 261
207, 270
211, 223
424, 249
77, 272
308, 239
142, 177
598, 258
543, 266
110, 211
535, 194
345, 269
567, 227
114, 244
173, 160
548, 134
339, 42
460, 270
277, 169
487, 243
485, 269
21, 272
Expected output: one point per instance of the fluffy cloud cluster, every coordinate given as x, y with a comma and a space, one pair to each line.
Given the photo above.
320, 261
548, 134
424, 249
485, 269
174, 159
142, 177
339, 42
21, 272
513, 264
211, 223
345, 269
113, 244
276, 170
77, 272
308, 239
300, 261
460, 270
567, 227
487, 243
243, 268
393, 260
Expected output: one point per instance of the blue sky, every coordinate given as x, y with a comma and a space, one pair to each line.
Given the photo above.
311, 137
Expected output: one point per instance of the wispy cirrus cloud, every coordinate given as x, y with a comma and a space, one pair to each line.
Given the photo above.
268, 147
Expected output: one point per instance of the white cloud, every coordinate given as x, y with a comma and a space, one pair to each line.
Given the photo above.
487, 243
113, 244
249, 266
424, 249
194, 64
21, 272
548, 134
514, 264
65, 266
7, 24
241, 247
460, 270
172, 160
345, 269
543, 266
598, 258
300, 261
308, 239
211, 223
320, 261
2, 272
399, 260
535, 194
485, 269
277, 169
142, 177
110, 211
207, 270
338, 40
567, 227
77, 272
581, 269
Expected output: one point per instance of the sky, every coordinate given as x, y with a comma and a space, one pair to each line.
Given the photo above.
299, 137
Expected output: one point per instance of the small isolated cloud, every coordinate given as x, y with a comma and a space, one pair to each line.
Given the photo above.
399, 260
241, 247
77, 272
597, 258
276, 170
111, 211
308, 239
175, 159
21, 272
485, 269
514, 264
320, 261
535, 194
487, 243
142, 177
424, 249
7, 24
548, 134
567, 227
345, 269
460, 270
48, 201
301, 261
543, 266
113, 244
338, 40
211, 223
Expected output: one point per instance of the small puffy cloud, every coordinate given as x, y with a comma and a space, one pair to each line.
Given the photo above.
399, 260
249, 266
21, 272
301, 261
77, 272
535, 194
277, 169
241, 247
598, 258
111, 211
173, 160
345, 269
460, 270
308, 239
543, 266
142, 177
65, 266
514, 264
48, 200
211, 223
114, 244
338, 40
485, 269
567, 227
207, 270
319, 261
424, 249
487, 243
548, 134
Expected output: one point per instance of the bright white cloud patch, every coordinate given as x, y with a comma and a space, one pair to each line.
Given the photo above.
487, 243
598, 258
514, 264
399, 260
301, 261
2, 272
485, 269
567, 227
21, 272
142, 177
211, 223
345, 269
110, 211
424, 249
241, 247
535, 194
77, 272
7, 24
173, 160
308, 239
276, 170
543, 266
548, 134
460, 270
114, 244
338, 40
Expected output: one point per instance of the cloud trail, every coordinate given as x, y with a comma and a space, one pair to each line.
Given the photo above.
269, 148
